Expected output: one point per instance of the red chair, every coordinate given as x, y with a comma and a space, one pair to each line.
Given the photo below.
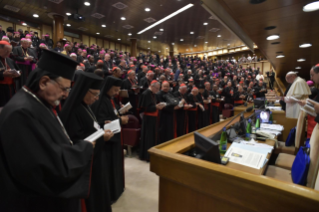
228, 111
131, 133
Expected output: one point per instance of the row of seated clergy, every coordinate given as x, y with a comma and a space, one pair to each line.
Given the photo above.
284, 174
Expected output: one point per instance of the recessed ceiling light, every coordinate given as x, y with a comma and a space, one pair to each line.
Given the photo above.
280, 56
311, 7
147, 9
129, 34
166, 48
148, 48
228, 44
298, 67
173, 44
273, 37
301, 60
149, 41
64, 39
218, 36
103, 25
24, 24
166, 18
68, 25
205, 23
186, 49
154, 37
191, 33
206, 42
195, 45
97, 33
159, 51
161, 29
181, 39
35, 15
119, 39
87, 3
68, 14
305, 45
123, 18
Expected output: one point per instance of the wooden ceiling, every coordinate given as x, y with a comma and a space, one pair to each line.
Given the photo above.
176, 28
294, 26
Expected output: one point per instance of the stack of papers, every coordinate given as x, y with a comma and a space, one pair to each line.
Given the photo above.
114, 126
309, 107
95, 136
276, 127
247, 156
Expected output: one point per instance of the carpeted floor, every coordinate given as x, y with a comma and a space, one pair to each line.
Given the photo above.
141, 188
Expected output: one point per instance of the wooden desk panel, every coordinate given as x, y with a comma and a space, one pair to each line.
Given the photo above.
192, 185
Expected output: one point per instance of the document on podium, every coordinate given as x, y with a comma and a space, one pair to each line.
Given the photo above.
245, 157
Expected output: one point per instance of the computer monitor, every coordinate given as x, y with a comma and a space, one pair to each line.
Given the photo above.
209, 148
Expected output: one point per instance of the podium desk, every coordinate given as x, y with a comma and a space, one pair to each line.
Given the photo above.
190, 184
279, 117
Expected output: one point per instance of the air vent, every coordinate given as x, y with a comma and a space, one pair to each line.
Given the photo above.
128, 27
82, 28
56, 1
119, 5
200, 37
98, 15
149, 20
14, 9
158, 33
214, 30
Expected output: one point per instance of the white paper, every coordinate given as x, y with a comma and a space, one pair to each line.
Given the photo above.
276, 108
245, 157
114, 126
95, 136
125, 108
276, 127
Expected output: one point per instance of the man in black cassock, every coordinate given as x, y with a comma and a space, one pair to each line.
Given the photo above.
215, 104
202, 113
260, 89
106, 109
80, 122
26, 60
7, 75
193, 100
42, 169
240, 96
47, 41
167, 122
149, 105
181, 112
130, 84
146, 81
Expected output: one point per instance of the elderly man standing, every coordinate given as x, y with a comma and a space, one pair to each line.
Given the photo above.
299, 89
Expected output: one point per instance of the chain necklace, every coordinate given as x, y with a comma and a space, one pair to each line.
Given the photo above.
61, 124
90, 112
25, 53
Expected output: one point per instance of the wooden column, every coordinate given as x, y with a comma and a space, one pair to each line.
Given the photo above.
171, 51
58, 28
133, 47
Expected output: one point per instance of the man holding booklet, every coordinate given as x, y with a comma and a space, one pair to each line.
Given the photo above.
80, 122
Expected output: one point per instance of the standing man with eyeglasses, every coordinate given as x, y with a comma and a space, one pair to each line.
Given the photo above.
42, 169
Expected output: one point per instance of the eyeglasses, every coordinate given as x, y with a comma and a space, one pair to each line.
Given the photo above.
95, 94
66, 90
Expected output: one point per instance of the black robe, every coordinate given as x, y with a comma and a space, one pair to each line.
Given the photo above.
40, 169
80, 126
149, 134
166, 119
7, 85
181, 118
103, 110
214, 107
24, 66
192, 113
132, 96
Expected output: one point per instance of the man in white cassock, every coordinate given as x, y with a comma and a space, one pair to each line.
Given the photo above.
298, 90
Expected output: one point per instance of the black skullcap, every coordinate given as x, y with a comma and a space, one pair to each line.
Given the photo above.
58, 64
10, 29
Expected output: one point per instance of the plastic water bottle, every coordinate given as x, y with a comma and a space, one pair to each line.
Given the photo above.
223, 142
248, 129
257, 125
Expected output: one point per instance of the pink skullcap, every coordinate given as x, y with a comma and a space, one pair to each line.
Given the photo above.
28, 35
47, 35
66, 45
23, 40
80, 49
42, 44
102, 52
83, 50
88, 56
310, 83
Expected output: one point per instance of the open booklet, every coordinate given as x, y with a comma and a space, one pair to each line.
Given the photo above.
93, 137
114, 126
309, 107
125, 108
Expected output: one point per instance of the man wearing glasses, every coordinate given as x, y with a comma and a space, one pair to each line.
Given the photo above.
42, 169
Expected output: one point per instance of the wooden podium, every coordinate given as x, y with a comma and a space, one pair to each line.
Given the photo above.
189, 184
